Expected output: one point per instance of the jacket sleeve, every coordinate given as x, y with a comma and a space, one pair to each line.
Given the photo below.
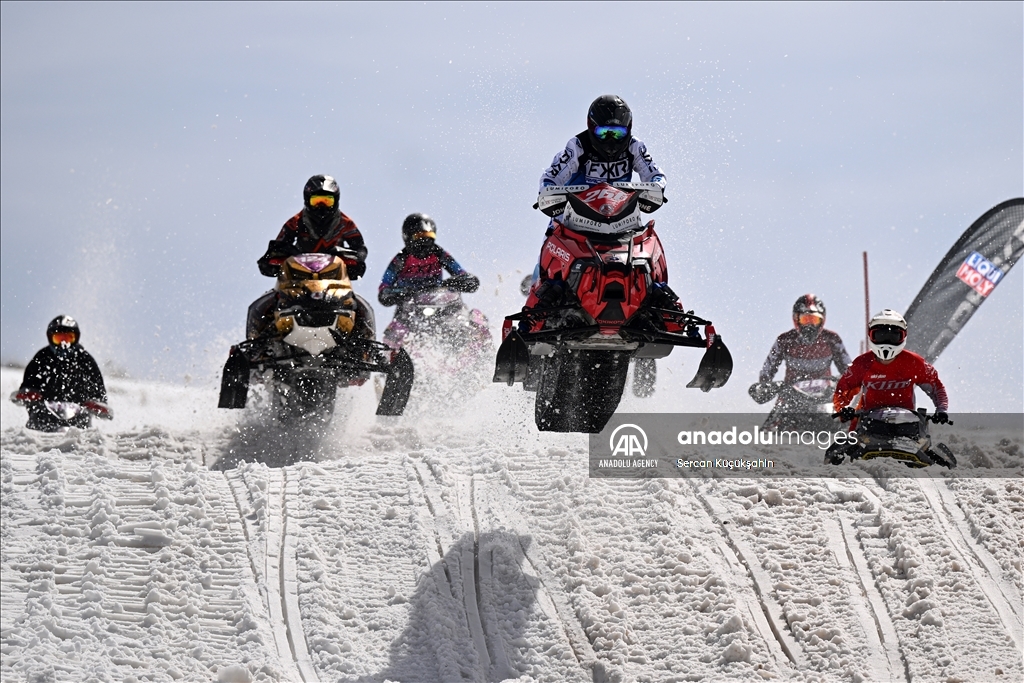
450, 264
33, 377
932, 386
771, 363
93, 388
285, 238
848, 387
352, 237
388, 290
644, 165
839, 355
563, 166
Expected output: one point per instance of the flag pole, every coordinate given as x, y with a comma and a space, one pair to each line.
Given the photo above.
867, 301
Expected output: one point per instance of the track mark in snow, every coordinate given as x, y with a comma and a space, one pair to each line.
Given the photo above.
883, 654
290, 583
983, 568
553, 604
771, 614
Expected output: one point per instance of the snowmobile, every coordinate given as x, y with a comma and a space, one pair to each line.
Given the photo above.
804, 405
602, 298
53, 416
895, 433
436, 328
314, 343
645, 370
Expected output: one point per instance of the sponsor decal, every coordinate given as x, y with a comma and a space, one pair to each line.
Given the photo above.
558, 252
888, 385
609, 170
980, 274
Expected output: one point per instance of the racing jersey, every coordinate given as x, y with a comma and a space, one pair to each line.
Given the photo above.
298, 233
416, 268
803, 360
579, 164
884, 385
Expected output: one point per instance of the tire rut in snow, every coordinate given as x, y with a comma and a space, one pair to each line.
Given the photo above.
1002, 595
276, 563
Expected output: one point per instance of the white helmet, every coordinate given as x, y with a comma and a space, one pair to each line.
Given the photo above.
887, 334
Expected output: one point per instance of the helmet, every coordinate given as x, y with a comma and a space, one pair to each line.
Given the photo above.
418, 226
887, 334
320, 200
809, 317
63, 332
610, 125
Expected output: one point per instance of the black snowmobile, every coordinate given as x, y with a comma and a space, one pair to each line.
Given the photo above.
805, 404
315, 342
895, 433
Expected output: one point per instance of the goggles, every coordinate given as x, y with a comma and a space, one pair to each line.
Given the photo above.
321, 201
611, 132
58, 338
887, 334
814, 319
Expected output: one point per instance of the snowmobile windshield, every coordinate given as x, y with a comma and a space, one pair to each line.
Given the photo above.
887, 334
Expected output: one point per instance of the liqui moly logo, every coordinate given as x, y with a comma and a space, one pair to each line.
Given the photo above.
980, 274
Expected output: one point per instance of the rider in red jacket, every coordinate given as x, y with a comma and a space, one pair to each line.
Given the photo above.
886, 376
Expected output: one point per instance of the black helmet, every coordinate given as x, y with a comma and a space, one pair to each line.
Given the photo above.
809, 317
417, 226
610, 124
320, 210
64, 326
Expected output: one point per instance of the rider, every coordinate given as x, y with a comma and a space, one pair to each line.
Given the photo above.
420, 264
886, 376
63, 371
809, 350
322, 228
606, 152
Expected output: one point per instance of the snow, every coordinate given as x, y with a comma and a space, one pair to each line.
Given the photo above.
471, 547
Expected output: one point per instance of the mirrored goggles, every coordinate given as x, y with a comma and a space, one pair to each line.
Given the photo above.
319, 201
887, 334
58, 338
814, 319
611, 132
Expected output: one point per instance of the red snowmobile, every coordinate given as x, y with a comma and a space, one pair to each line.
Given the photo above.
602, 298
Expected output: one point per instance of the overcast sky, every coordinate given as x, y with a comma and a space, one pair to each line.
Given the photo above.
150, 151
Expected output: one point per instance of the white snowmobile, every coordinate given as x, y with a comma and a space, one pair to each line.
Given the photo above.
895, 433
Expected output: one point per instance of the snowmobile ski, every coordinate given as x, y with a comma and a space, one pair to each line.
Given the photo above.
715, 367
234, 383
398, 385
512, 359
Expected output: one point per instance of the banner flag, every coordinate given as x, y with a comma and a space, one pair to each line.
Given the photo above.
967, 275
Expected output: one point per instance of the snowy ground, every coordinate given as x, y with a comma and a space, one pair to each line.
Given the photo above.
474, 548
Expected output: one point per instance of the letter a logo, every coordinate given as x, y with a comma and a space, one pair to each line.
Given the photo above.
631, 443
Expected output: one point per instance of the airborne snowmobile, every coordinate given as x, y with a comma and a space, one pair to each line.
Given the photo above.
436, 328
315, 343
895, 433
601, 299
804, 405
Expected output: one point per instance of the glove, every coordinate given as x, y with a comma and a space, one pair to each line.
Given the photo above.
846, 414
355, 269
463, 283
762, 392
941, 417
25, 397
99, 409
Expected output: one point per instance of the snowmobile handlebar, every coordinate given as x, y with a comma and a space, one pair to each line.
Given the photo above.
923, 412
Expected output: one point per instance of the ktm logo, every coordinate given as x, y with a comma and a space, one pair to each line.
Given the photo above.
632, 442
887, 386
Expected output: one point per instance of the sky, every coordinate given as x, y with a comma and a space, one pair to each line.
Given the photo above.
149, 151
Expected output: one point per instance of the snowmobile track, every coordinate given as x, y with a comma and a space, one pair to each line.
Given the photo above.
279, 573
1003, 596
769, 619
535, 568
884, 657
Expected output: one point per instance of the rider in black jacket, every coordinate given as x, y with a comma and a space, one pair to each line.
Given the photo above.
62, 371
